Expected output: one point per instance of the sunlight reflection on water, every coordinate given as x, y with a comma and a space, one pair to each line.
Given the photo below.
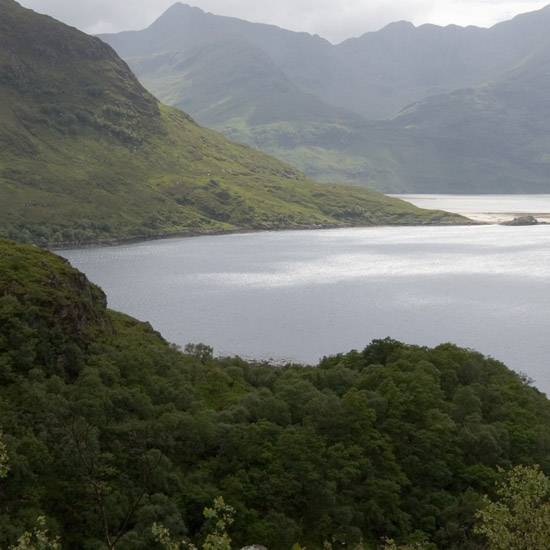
299, 295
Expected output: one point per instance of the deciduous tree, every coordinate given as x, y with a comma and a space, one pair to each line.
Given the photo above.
520, 518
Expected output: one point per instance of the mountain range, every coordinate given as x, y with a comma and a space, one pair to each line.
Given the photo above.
403, 109
87, 154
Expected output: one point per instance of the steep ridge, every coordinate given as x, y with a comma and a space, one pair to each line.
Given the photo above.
87, 153
230, 80
227, 73
401, 64
374, 75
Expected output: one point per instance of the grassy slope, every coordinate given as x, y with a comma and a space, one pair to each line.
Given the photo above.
87, 153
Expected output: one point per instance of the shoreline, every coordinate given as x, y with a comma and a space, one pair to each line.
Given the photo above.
501, 218
473, 218
118, 241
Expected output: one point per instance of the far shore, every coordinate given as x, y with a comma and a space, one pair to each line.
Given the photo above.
117, 241
501, 217
473, 217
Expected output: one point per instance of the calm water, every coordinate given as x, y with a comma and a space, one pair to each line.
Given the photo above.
299, 295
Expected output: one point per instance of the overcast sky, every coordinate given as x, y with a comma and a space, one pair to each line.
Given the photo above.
334, 20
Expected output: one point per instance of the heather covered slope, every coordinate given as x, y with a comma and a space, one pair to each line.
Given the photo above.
109, 428
87, 153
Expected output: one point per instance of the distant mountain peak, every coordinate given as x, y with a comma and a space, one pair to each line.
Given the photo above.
180, 7
175, 13
398, 26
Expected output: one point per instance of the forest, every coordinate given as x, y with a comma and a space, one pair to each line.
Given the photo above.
110, 429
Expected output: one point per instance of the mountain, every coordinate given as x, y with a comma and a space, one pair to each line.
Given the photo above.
373, 76
108, 428
225, 71
343, 113
86, 153
492, 137
401, 63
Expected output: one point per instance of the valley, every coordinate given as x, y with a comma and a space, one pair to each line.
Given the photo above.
401, 110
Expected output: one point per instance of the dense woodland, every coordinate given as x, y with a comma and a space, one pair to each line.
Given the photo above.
109, 429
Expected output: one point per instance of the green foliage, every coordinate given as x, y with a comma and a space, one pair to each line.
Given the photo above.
4, 459
222, 514
217, 539
39, 539
391, 545
200, 351
520, 518
162, 536
111, 429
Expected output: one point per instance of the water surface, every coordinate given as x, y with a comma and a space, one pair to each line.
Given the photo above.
299, 295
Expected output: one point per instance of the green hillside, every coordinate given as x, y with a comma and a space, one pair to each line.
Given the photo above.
87, 153
109, 428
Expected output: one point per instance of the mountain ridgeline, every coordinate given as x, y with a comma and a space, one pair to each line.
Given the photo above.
404, 109
108, 428
86, 153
